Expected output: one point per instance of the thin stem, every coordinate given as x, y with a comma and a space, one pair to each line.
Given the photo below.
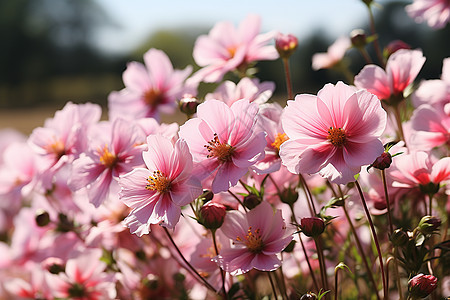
388, 205
244, 186
397, 274
365, 55
311, 272
308, 194
336, 289
238, 200
273, 286
430, 204
283, 283
199, 277
398, 120
222, 272
361, 251
287, 74
375, 237
323, 269
376, 44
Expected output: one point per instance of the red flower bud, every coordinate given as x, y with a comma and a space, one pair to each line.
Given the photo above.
188, 104
286, 44
212, 215
420, 286
312, 226
383, 161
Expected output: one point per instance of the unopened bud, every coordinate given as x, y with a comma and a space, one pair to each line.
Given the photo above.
312, 226
399, 237
289, 196
286, 44
54, 265
207, 195
429, 225
42, 218
420, 286
309, 296
394, 46
188, 104
358, 38
383, 161
251, 201
212, 215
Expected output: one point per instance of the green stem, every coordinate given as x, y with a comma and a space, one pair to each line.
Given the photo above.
375, 237
323, 269
222, 272
375, 42
238, 200
398, 120
287, 73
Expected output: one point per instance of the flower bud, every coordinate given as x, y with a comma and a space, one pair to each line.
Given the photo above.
399, 237
289, 196
309, 296
383, 161
286, 44
54, 265
394, 46
212, 215
429, 225
251, 201
312, 226
429, 188
42, 218
188, 104
358, 38
420, 286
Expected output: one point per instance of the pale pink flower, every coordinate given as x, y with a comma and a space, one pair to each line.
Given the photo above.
258, 237
435, 91
31, 286
84, 278
157, 193
149, 89
223, 141
250, 89
334, 133
113, 151
430, 127
333, 56
435, 12
401, 69
417, 169
227, 48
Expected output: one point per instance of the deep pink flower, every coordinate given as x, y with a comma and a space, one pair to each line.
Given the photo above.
430, 127
258, 238
227, 48
286, 44
333, 56
417, 169
435, 12
156, 193
420, 286
250, 89
334, 133
401, 69
223, 141
149, 89
113, 151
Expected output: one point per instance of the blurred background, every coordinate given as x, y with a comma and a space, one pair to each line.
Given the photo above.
76, 50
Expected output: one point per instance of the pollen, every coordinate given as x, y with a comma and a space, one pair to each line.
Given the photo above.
252, 240
56, 148
279, 139
221, 151
158, 182
232, 51
107, 158
153, 97
337, 136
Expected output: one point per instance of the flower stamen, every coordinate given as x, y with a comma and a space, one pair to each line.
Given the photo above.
153, 97
107, 158
279, 139
337, 136
222, 151
158, 182
252, 240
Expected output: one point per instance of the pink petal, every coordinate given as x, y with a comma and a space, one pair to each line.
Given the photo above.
245, 113
185, 192
360, 154
441, 170
135, 77
334, 97
219, 118
157, 157
337, 171
227, 176
402, 68
159, 67
133, 192
375, 80
264, 262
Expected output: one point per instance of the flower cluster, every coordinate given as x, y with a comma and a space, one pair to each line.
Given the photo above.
245, 199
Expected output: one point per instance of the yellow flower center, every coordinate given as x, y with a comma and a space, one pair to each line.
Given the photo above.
107, 158
337, 136
232, 51
222, 151
158, 182
153, 97
56, 148
279, 139
252, 240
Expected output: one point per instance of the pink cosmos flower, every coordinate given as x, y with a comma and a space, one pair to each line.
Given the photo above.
157, 193
430, 127
84, 278
247, 88
334, 133
258, 238
333, 56
149, 89
417, 169
113, 151
401, 69
223, 141
227, 48
435, 91
435, 12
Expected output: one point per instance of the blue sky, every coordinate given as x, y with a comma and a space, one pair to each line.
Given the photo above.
137, 19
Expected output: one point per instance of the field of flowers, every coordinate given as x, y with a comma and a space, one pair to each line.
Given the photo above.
338, 195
